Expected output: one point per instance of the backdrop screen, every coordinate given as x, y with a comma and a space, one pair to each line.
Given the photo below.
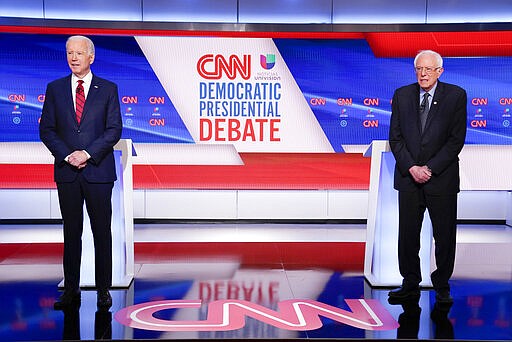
258, 94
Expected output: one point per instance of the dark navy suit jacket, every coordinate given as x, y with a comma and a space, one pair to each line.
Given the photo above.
439, 145
99, 130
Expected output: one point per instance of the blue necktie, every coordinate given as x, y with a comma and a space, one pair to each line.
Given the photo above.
424, 108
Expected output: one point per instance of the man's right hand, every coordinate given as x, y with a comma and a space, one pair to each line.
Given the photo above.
420, 174
78, 159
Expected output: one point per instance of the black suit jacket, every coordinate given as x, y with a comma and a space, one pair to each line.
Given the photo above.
439, 145
99, 130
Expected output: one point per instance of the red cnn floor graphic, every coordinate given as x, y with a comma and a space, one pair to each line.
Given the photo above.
285, 290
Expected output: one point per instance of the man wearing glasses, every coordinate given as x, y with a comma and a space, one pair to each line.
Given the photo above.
427, 132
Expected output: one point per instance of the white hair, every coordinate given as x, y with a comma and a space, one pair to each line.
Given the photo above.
437, 56
90, 44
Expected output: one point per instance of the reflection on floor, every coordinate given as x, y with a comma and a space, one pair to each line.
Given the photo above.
285, 289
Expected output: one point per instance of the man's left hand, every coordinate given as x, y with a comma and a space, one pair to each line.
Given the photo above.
78, 159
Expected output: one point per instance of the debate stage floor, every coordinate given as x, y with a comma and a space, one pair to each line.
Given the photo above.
257, 270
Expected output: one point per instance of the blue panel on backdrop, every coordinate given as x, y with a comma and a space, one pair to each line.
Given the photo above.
128, 10
219, 11
29, 62
22, 8
285, 11
379, 12
472, 11
350, 90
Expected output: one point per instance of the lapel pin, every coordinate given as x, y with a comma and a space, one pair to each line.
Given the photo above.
435, 102
96, 87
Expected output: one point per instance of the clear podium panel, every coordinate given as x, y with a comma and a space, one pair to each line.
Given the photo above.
122, 226
381, 254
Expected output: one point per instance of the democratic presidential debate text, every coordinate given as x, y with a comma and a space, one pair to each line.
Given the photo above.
236, 111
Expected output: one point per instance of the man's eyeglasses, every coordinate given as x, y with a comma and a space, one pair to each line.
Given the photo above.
428, 70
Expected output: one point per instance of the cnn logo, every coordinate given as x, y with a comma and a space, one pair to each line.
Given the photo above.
214, 67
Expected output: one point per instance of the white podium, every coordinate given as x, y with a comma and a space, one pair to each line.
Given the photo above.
122, 226
381, 254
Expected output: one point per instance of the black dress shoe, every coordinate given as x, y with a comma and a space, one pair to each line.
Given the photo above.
70, 298
404, 292
443, 296
104, 300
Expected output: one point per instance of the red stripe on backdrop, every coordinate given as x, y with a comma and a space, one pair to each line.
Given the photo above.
448, 44
383, 44
26, 176
342, 256
279, 171
181, 33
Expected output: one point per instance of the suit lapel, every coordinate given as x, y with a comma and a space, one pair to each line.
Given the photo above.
68, 97
91, 96
414, 98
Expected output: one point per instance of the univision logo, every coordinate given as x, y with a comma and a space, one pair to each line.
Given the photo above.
267, 61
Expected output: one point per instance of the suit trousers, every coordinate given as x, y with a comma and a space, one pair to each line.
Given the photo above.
442, 210
98, 201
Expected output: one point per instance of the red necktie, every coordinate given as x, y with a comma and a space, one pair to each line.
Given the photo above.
80, 100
